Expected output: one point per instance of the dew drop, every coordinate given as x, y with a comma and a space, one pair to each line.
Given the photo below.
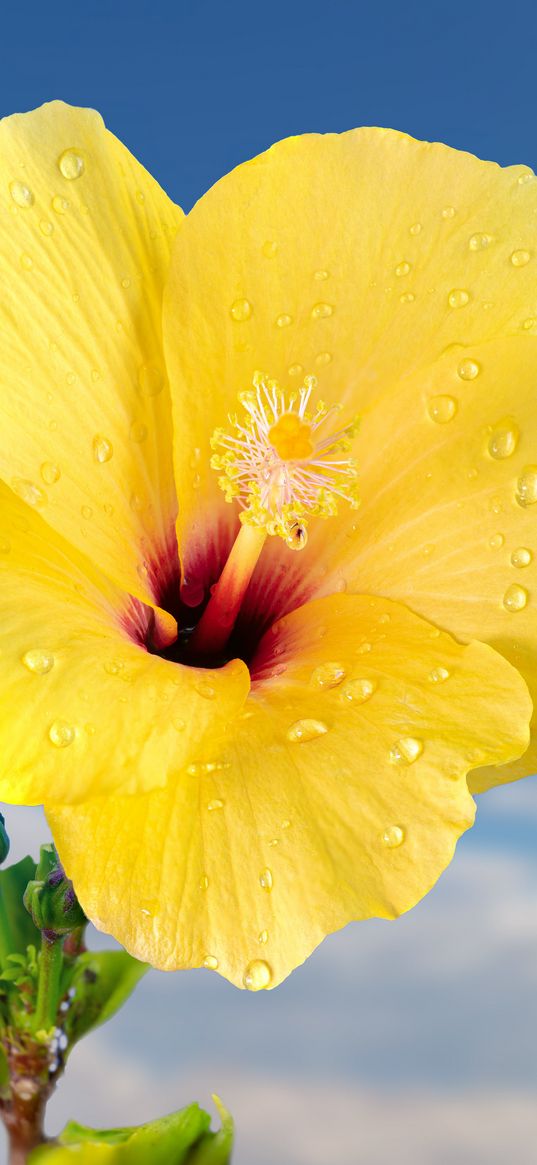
286, 824
521, 557
30, 493
407, 297
468, 369
37, 661
178, 724
257, 976
449, 212
150, 379
269, 249
358, 691
140, 197
442, 409
61, 733
26, 262
303, 730
526, 489
214, 805
241, 309
403, 269
439, 675
515, 598
321, 311
520, 258
71, 165
323, 358
21, 194
321, 275
479, 241
393, 836
295, 370
59, 204
266, 880
87, 512
263, 937
50, 473
5, 546
503, 440
496, 542
283, 321
416, 228
210, 962
405, 751
205, 689
204, 882
102, 449
458, 297
46, 226
328, 675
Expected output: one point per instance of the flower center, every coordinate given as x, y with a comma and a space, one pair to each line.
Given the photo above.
278, 464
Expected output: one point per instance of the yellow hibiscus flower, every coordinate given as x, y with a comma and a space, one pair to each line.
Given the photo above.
229, 796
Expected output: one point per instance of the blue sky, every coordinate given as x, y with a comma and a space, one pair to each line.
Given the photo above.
416, 1038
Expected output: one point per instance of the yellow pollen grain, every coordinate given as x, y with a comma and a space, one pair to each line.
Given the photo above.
291, 438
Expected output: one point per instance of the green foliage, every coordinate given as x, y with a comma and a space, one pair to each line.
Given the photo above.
17, 929
95, 987
183, 1138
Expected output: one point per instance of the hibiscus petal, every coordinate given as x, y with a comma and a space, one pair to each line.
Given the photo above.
447, 524
340, 794
356, 257
84, 708
84, 410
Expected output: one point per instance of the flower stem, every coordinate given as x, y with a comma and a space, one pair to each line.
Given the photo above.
48, 988
218, 619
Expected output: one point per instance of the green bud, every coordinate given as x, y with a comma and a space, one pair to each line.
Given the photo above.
4, 840
50, 899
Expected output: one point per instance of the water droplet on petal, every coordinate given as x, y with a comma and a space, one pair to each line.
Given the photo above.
515, 598
138, 432
59, 204
215, 804
21, 194
50, 473
241, 309
407, 297
283, 321
468, 369
521, 557
321, 275
439, 675
71, 164
393, 836
303, 730
358, 691
416, 228
5, 546
295, 369
442, 409
265, 880
328, 675
102, 449
503, 439
526, 490
458, 297
257, 976
206, 689
204, 882
402, 269
87, 512
269, 249
30, 493
323, 359
449, 212
520, 258
496, 542
150, 379
210, 962
321, 311
263, 937
479, 241
37, 661
27, 262
405, 751
61, 733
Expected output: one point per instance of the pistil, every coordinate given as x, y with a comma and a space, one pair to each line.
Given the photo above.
220, 614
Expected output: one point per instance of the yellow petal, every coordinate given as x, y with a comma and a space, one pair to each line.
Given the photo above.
84, 708
356, 257
85, 237
448, 517
339, 794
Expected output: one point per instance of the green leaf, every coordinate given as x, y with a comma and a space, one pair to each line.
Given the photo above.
4, 1070
168, 1141
98, 985
17, 931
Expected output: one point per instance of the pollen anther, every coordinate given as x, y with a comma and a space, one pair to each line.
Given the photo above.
278, 466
